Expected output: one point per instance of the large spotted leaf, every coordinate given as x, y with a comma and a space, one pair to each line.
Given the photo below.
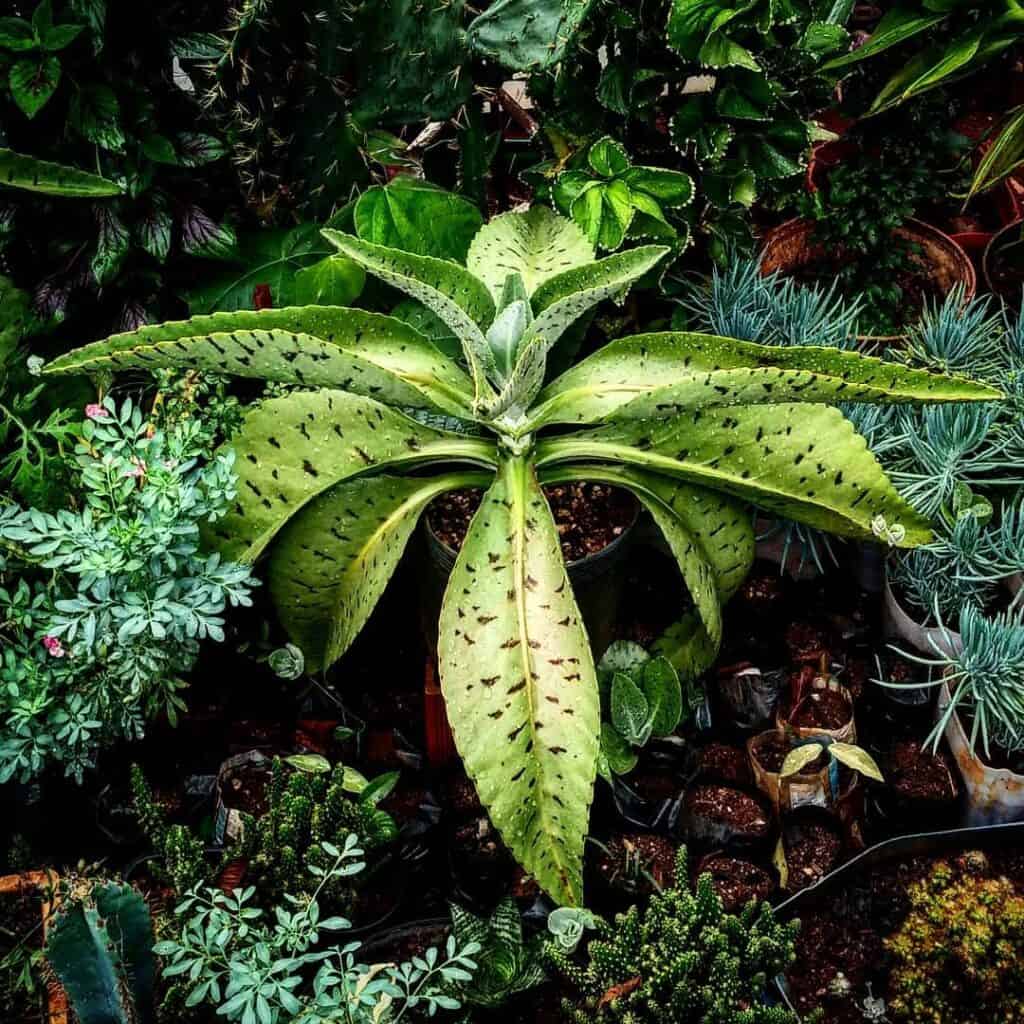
560, 300
28, 172
332, 562
660, 375
687, 645
804, 462
461, 300
315, 346
519, 681
536, 245
291, 449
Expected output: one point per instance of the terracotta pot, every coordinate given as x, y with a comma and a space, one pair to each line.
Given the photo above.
993, 795
1010, 296
46, 882
929, 640
790, 247
846, 733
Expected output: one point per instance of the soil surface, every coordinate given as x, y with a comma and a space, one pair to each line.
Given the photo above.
20, 927
919, 775
806, 642
732, 808
725, 763
822, 709
588, 516
653, 855
812, 850
737, 881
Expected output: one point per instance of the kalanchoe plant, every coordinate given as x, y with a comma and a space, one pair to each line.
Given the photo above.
641, 698
693, 425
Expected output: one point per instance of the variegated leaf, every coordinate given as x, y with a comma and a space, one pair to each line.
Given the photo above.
332, 562
315, 346
537, 245
519, 681
291, 449
461, 300
804, 462
660, 375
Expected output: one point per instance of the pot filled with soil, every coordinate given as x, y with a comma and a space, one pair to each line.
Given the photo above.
939, 264
810, 786
749, 696
736, 880
994, 790
902, 707
928, 640
27, 903
809, 847
1003, 264
594, 522
241, 790
721, 762
922, 790
820, 706
649, 797
631, 866
717, 816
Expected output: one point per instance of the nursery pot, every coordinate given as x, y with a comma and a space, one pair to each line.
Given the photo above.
228, 821
593, 578
1009, 293
993, 795
929, 640
45, 881
715, 816
750, 696
806, 788
845, 733
790, 247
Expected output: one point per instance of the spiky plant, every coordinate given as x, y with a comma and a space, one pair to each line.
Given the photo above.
680, 960
694, 425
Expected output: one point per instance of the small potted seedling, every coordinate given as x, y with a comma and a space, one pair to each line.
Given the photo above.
820, 707
853, 757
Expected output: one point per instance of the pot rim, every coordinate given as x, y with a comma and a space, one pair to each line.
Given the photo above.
986, 258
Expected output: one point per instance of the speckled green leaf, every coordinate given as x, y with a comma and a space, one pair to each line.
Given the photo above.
537, 245
26, 172
687, 646
519, 682
658, 375
333, 560
291, 449
563, 298
315, 346
461, 300
804, 462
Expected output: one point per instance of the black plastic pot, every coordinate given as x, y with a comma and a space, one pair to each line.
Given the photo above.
595, 582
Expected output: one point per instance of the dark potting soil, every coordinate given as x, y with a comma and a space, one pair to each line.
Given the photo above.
21, 928
460, 796
812, 849
652, 854
725, 763
772, 751
919, 775
737, 881
806, 643
655, 784
245, 789
588, 516
731, 807
822, 709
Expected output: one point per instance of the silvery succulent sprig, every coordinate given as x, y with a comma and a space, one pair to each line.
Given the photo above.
129, 596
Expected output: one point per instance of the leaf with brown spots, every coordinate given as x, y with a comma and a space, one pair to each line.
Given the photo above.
522, 696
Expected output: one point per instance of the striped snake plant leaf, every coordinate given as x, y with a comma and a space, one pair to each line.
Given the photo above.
315, 346
293, 448
34, 175
560, 300
519, 681
659, 375
536, 245
333, 560
461, 300
803, 462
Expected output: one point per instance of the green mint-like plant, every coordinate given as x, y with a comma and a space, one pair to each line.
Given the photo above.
611, 199
680, 959
693, 425
641, 698
100, 946
105, 603
231, 956
508, 964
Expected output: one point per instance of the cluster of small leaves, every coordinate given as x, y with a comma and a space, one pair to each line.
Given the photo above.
957, 954
105, 603
255, 968
680, 959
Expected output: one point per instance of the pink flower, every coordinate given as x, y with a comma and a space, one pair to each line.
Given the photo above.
53, 646
138, 469
96, 412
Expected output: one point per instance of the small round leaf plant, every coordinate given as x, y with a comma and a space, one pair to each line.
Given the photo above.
695, 426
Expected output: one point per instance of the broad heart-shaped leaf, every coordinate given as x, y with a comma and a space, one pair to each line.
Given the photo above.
293, 448
621, 656
315, 346
26, 172
461, 300
519, 682
660, 684
332, 562
803, 462
659, 375
617, 755
537, 245
563, 298
629, 710
856, 758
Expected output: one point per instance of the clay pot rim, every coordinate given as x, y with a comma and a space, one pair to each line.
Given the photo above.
956, 724
989, 253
